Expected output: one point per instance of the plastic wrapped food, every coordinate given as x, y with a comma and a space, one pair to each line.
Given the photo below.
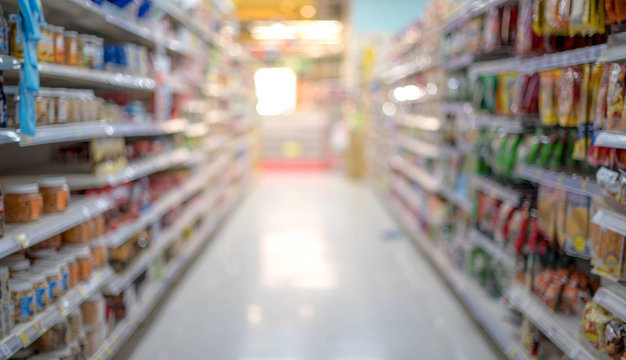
569, 96
548, 98
615, 94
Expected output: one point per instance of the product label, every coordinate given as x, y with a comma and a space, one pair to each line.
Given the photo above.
53, 290
26, 307
39, 298
4, 41
65, 281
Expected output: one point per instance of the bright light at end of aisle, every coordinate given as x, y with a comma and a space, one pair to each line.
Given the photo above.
275, 91
408, 93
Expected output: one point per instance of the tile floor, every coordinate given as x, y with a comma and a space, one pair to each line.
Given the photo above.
310, 267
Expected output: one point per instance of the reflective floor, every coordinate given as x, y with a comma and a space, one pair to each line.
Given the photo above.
310, 267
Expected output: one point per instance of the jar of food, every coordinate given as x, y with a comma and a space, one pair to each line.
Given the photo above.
70, 258
55, 193
54, 242
76, 107
56, 338
45, 47
77, 353
62, 106
83, 258
42, 254
22, 203
79, 234
97, 226
22, 297
95, 337
52, 106
65, 274
19, 267
98, 52
75, 319
59, 44
92, 310
86, 51
98, 252
41, 109
40, 289
54, 278
71, 48
16, 46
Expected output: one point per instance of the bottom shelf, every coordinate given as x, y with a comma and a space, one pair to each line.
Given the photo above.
490, 313
126, 327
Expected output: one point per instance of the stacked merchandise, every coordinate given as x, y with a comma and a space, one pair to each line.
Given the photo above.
127, 165
518, 153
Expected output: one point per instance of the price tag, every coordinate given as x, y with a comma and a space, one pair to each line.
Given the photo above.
559, 179
583, 185
25, 340
538, 172
38, 326
4, 348
512, 353
82, 291
21, 238
99, 277
100, 357
108, 351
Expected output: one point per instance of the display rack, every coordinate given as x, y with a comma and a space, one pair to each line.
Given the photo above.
426, 180
497, 190
495, 250
581, 185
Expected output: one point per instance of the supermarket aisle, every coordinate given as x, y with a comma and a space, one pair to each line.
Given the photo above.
307, 268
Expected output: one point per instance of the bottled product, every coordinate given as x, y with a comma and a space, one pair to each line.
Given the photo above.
98, 252
40, 289
86, 50
23, 202
1, 214
53, 276
92, 310
56, 338
54, 242
71, 48
4, 34
45, 47
22, 297
59, 44
15, 42
55, 194
79, 234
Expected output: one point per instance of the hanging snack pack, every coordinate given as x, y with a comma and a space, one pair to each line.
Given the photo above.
577, 225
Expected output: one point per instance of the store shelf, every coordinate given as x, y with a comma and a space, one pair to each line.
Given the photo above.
611, 220
575, 184
611, 139
80, 209
612, 297
458, 63
186, 20
424, 179
165, 203
467, 11
97, 129
562, 330
490, 313
457, 107
460, 201
71, 75
133, 171
419, 147
511, 124
497, 190
419, 64
125, 328
191, 213
531, 65
489, 245
25, 334
8, 63
422, 122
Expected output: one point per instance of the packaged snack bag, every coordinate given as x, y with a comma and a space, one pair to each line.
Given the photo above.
611, 14
620, 10
508, 26
600, 116
546, 212
615, 335
569, 96
576, 293
577, 209
593, 323
615, 95
491, 30
607, 252
538, 15
548, 98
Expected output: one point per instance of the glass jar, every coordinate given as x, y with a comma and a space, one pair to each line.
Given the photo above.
22, 297
86, 51
22, 203
54, 242
45, 47
70, 258
19, 267
52, 106
56, 338
71, 48
98, 252
40, 289
16, 47
59, 44
97, 226
79, 234
41, 109
92, 310
83, 258
55, 193
75, 319
54, 279
98, 52
64, 269
63, 110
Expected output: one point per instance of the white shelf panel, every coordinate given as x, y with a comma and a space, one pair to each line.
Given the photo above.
419, 64
80, 209
140, 311
611, 220
9, 63
201, 30
165, 203
575, 184
133, 171
612, 139
612, 297
497, 190
418, 147
490, 313
25, 334
511, 124
97, 78
495, 250
427, 181
531, 65
458, 63
560, 329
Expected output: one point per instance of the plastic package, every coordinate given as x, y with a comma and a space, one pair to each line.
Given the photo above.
59, 43
22, 297
71, 48
80, 234
55, 194
548, 98
615, 94
569, 96
594, 320
99, 252
95, 337
75, 321
22, 203
92, 310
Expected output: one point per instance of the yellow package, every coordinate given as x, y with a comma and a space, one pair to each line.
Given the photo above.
577, 225
548, 112
538, 23
569, 94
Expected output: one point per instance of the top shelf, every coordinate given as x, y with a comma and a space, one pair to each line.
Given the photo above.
180, 16
469, 10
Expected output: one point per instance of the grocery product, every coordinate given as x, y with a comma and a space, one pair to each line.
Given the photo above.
576, 224
22, 297
55, 194
593, 324
22, 202
79, 234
